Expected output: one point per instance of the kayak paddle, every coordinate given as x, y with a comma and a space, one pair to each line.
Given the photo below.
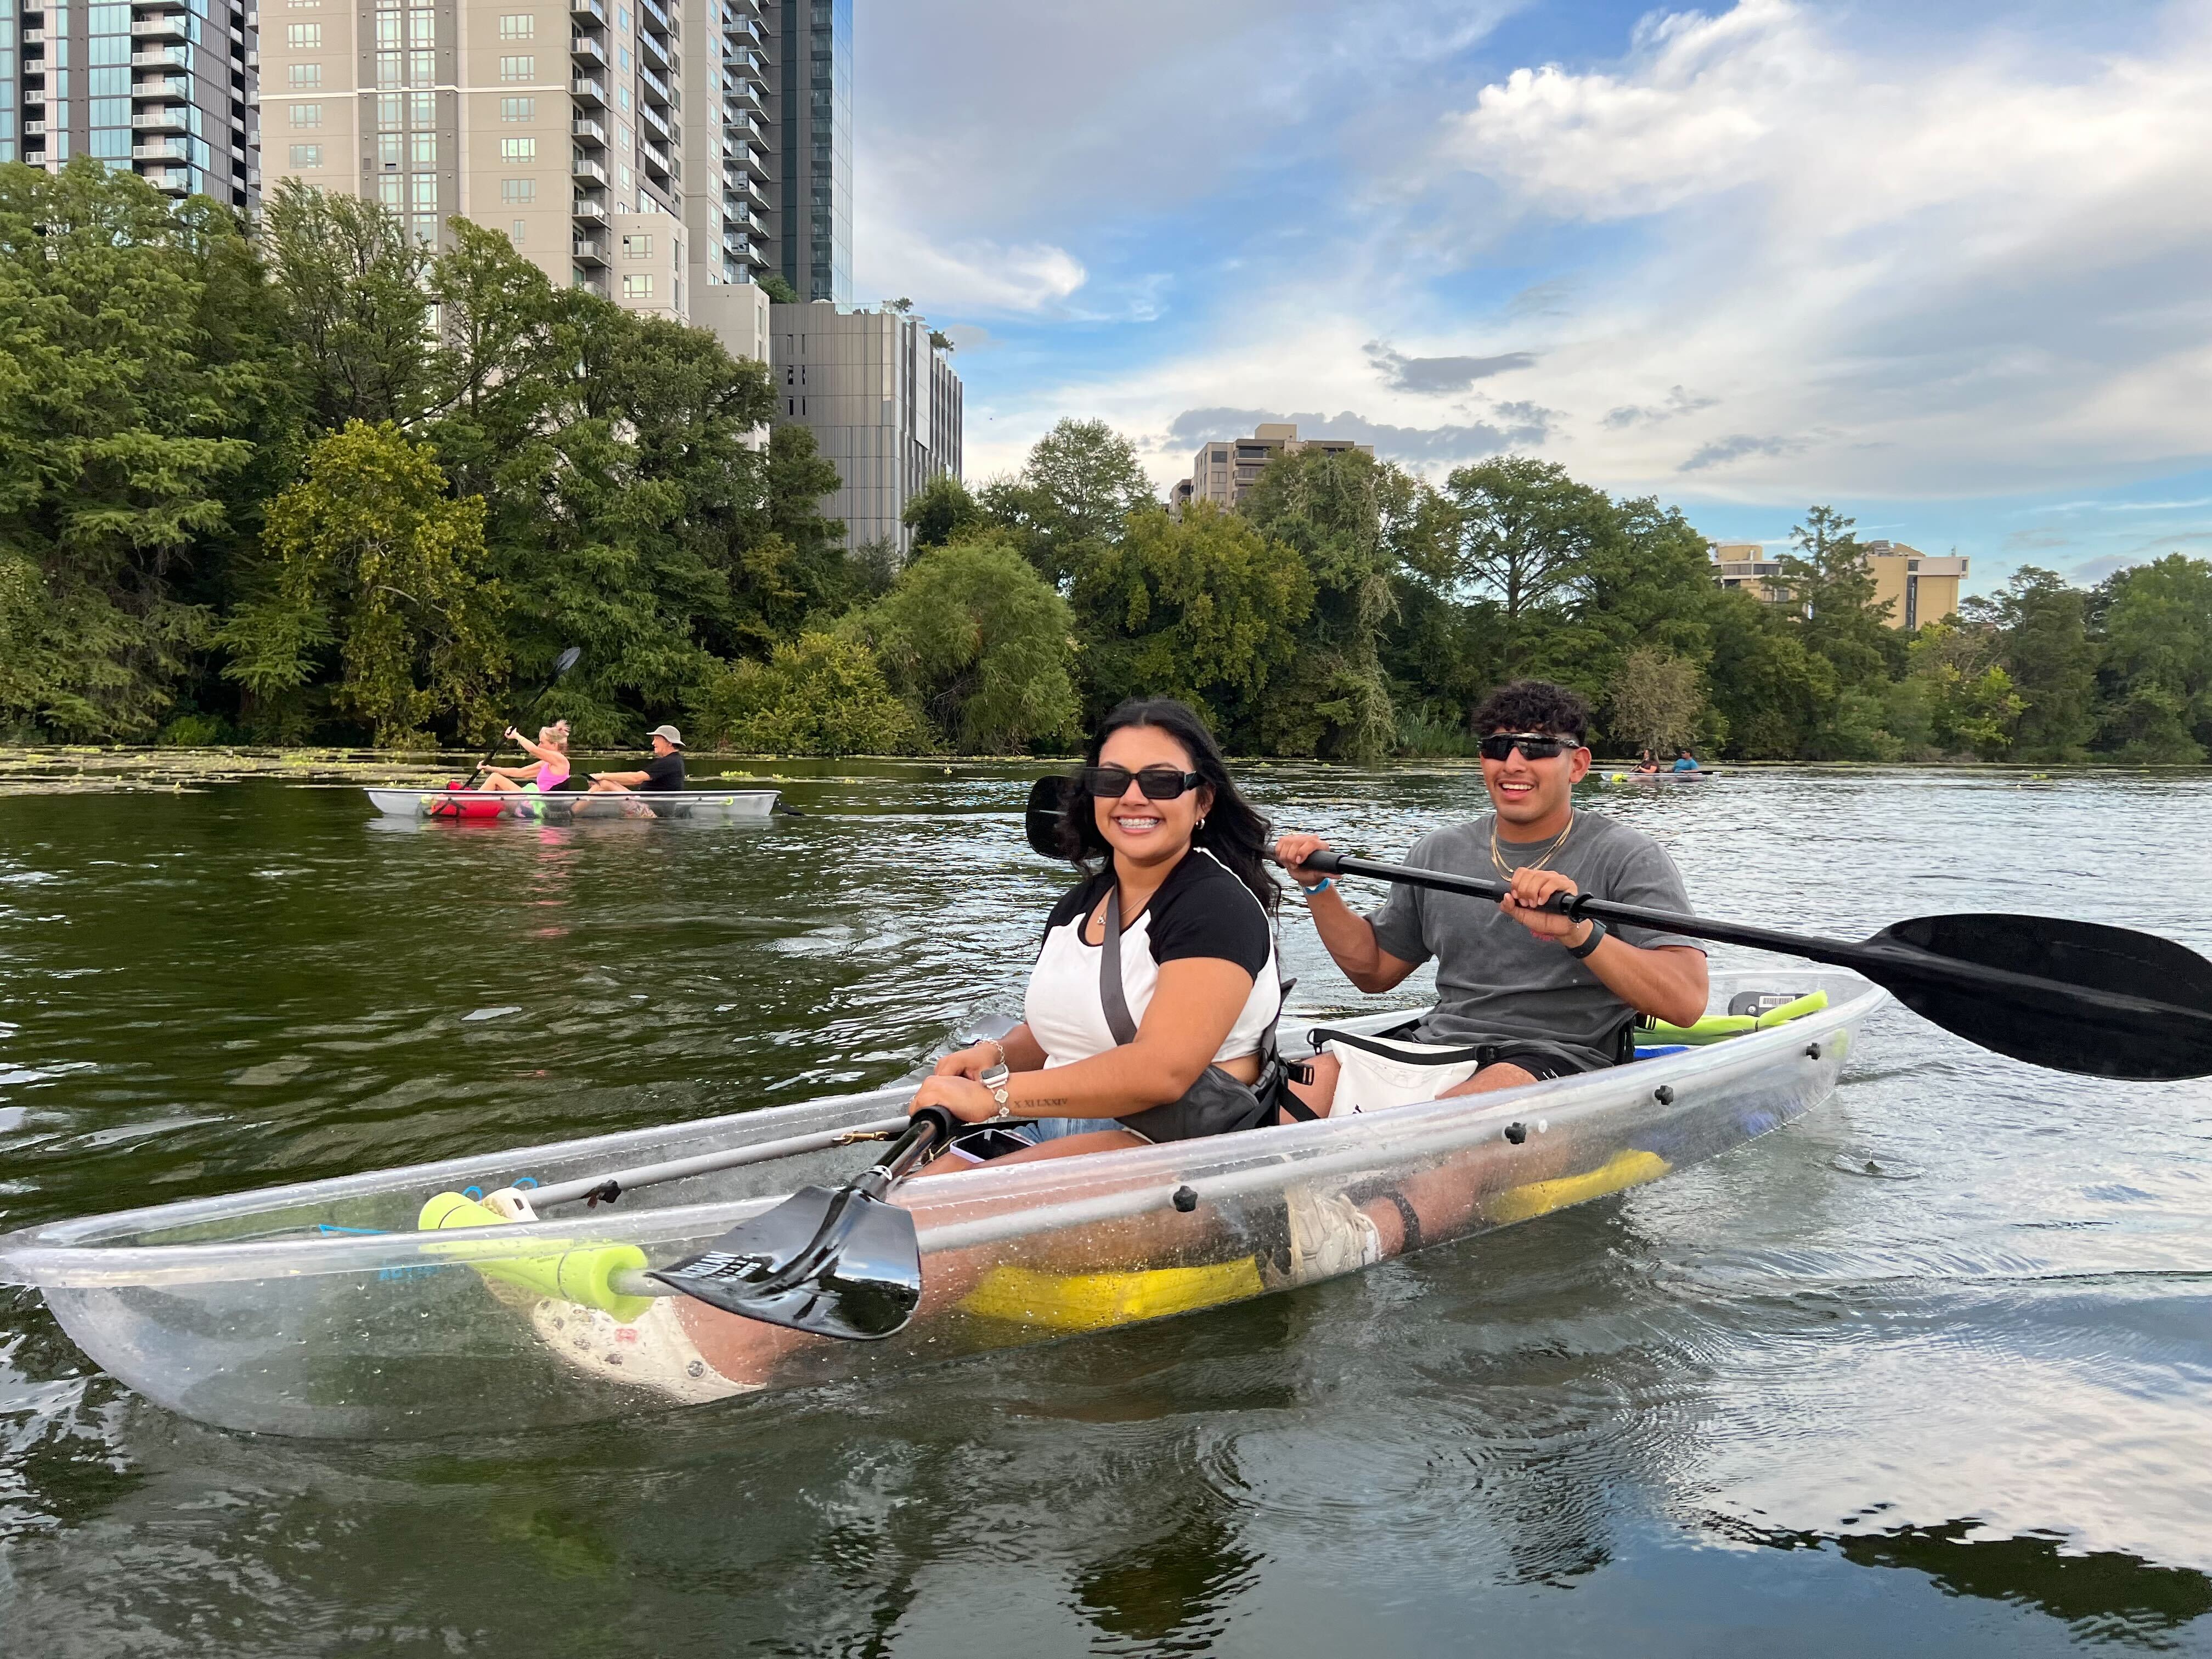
2074, 996
835, 1262
561, 664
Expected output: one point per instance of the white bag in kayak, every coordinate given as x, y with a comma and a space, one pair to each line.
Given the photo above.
1382, 1071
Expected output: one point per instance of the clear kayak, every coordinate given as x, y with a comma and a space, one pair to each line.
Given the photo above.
1697, 776
569, 805
396, 1305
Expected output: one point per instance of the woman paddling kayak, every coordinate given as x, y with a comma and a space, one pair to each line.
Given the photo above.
551, 771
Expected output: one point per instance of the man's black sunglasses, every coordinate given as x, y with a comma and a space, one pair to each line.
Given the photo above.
1536, 745
1158, 782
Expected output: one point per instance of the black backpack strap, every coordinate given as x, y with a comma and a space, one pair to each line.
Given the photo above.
1111, 995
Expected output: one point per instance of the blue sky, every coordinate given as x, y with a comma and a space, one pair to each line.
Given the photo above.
1942, 267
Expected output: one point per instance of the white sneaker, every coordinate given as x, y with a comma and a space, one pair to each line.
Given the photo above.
1329, 1235
655, 1351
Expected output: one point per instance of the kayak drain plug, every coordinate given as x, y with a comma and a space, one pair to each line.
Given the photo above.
1516, 1133
1185, 1198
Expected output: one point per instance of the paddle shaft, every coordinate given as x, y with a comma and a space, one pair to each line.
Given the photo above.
606, 1188
1885, 964
544, 691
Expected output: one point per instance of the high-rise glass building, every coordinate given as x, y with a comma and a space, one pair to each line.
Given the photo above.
163, 87
812, 133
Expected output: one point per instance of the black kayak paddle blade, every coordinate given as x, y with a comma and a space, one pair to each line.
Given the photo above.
833, 1262
2076, 996
1048, 808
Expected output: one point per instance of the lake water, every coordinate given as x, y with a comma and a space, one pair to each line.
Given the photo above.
1930, 1372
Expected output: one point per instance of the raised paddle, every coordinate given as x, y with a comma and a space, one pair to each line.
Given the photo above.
561, 664
832, 1260
2076, 996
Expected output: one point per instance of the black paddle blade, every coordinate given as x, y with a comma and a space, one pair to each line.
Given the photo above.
2076, 996
1048, 807
833, 1262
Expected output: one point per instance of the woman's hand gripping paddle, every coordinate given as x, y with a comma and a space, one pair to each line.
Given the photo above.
835, 1262
562, 664
2076, 996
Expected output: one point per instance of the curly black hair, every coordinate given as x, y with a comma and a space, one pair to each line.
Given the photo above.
1534, 706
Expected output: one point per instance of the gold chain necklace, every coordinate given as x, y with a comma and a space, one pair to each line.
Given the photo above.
1498, 857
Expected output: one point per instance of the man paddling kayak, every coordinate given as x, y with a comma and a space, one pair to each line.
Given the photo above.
663, 773
1524, 994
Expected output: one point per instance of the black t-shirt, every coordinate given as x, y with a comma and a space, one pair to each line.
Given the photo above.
663, 772
1201, 910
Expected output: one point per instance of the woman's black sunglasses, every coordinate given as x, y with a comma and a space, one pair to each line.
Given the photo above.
1158, 782
1536, 745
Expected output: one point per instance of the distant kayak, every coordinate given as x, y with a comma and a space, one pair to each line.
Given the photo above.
566, 806
1660, 777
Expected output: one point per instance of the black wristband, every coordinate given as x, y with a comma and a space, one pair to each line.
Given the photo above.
1597, 933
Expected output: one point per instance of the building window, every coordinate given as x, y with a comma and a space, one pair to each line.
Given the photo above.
388, 148
517, 190
518, 25
518, 109
425, 191
517, 152
423, 109
388, 111
422, 67
388, 31
517, 69
423, 148
638, 285
387, 69
304, 37
516, 237
306, 75
390, 190
306, 115
307, 156
639, 246
422, 28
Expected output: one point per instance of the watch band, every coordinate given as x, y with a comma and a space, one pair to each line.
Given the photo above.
995, 1079
1598, 931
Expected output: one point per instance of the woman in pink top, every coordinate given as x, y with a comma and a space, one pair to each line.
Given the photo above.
551, 770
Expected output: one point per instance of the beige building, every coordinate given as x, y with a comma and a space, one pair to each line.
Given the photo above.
1918, 588
1921, 589
611, 141
1224, 473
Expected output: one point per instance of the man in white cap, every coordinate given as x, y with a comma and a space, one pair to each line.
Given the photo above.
663, 772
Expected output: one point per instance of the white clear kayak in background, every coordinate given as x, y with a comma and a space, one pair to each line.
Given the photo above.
324, 1308
572, 804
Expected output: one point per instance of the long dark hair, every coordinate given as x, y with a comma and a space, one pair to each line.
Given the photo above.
1233, 831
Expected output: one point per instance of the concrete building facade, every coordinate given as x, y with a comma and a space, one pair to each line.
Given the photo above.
1748, 566
1224, 472
165, 89
1920, 588
882, 402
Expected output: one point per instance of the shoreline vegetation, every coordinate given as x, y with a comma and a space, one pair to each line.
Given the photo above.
307, 482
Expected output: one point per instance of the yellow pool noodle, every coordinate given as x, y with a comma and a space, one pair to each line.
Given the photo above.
582, 1276
1096, 1302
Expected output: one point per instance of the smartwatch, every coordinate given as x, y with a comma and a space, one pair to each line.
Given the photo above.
1597, 932
995, 1079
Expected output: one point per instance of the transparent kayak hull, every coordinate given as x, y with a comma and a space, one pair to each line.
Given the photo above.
319, 1308
566, 806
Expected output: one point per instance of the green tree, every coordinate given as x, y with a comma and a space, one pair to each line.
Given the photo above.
820, 694
1971, 705
135, 381
370, 554
2158, 659
943, 510
1831, 594
1657, 702
1081, 480
779, 291
975, 637
1205, 609
1769, 688
354, 295
2045, 648
1528, 534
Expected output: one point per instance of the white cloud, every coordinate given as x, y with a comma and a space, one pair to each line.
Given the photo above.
975, 277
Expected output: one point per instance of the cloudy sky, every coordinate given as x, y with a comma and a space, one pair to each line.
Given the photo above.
1947, 267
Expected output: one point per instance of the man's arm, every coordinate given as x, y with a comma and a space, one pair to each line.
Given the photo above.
1349, 936
627, 778
1666, 981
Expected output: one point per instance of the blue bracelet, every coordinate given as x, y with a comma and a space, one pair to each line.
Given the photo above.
1327, 882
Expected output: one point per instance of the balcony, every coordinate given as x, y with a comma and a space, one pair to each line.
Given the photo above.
656, 15
589, 251
172, 119
587, 171
655, 88
164, 88
588, 13
743, 28
588, 90
174, 182
34, 37
655, 121
654, 50
169, 28
165, 151
34, 129
589, 129
653, 158
161, 58
752, 159
586, 49
588, 209
744, 96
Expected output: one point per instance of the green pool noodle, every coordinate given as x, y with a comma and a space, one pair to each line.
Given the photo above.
1714, 1027
584, 1276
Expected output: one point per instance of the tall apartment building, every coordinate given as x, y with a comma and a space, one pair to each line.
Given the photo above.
1224, 473
811, 130
1749, 566
1920, 588
165, 87
882, 404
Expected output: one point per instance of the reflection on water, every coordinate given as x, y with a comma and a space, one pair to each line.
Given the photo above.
1717, 1415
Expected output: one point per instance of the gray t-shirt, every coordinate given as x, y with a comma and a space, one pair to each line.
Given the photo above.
1496, 981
